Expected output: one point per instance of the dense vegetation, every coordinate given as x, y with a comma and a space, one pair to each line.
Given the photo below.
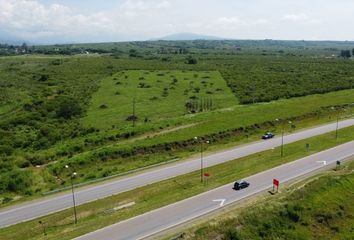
322, 209
57, 109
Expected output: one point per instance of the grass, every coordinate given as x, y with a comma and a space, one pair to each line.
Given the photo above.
158, 95
94, 215
319, 208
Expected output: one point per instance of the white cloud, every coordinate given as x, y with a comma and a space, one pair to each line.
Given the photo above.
133, 8
229, 20
144, 19
261, 21
302, 18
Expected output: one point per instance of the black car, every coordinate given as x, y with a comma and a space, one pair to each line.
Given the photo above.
240, 184
268, 135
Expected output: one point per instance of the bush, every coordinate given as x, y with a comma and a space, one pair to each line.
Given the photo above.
6, 150
68, 108
43, 78
191, 60
16, 181
231, 234
6, 200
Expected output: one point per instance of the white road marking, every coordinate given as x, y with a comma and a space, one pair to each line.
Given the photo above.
222, 201
324, 162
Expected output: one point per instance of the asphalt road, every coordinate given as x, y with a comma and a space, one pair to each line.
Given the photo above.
153, 222
56, 203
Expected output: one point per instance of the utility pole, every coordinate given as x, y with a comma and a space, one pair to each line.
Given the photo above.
201, 161
73, 194
201, 158
337, 128
282, 144
72, 175
282, 140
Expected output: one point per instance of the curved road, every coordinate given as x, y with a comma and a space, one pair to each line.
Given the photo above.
56, 203
156, 221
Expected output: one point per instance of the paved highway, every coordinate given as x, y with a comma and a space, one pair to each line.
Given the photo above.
153, 222
52, 204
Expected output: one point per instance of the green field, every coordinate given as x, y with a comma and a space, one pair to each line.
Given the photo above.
159, 95
97, 214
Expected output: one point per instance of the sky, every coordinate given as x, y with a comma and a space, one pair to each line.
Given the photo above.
52, 21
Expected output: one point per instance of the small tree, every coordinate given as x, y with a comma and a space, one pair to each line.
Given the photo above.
68, 108
191, 60
345, 54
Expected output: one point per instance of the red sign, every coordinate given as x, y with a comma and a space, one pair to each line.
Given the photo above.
276, 182
206, 174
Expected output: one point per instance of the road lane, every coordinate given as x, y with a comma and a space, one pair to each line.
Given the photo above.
52, 204
167, 217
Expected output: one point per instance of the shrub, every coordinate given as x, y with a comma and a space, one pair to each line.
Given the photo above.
191, 60
231, 234
68, 108
6, 150
17, 181
43, 78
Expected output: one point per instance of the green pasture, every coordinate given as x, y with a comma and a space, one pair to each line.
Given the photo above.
158, 95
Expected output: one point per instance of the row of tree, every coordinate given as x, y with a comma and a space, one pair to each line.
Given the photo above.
202, 105
347, 53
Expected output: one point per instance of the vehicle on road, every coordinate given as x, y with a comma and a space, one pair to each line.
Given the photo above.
241, 184
268, 135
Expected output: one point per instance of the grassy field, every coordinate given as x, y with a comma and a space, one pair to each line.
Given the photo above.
158, 95
98, 214
321, 208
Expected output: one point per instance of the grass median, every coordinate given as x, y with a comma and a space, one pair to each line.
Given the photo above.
100, 213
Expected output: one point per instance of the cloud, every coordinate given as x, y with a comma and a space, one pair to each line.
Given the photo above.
32, 19
114, 20
301, 18
133, 8
237, 22
229, 20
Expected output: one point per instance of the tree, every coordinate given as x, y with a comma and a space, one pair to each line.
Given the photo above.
133, 53
68, 108
43, 77
191, 60
24, 47
345, 54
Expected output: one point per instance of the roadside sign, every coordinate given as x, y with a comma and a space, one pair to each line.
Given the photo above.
206, 176
275, 184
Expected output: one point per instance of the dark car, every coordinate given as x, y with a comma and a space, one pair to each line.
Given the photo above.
268, 135
240, 184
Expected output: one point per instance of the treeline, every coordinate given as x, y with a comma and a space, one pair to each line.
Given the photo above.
10, 50
347, 53
255, 81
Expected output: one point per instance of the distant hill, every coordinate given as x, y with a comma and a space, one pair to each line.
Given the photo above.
186, 37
